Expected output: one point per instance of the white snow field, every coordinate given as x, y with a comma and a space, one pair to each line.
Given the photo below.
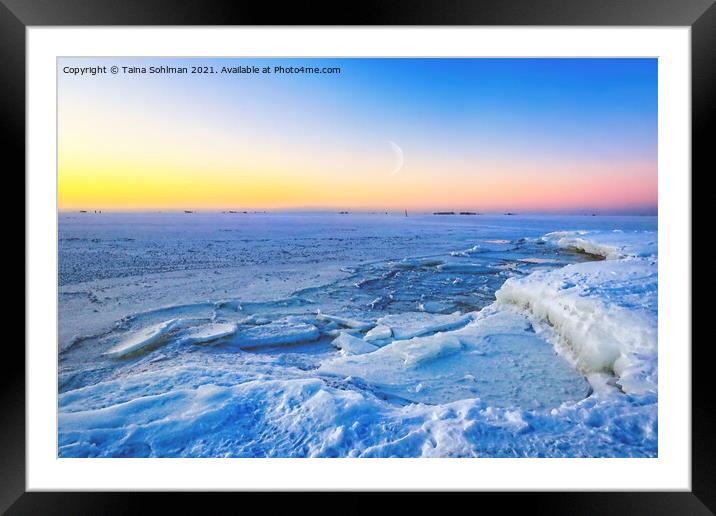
357, 335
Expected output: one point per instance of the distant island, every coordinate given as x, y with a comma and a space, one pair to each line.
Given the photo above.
461, 213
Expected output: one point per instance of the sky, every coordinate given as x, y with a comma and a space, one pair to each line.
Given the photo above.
530, 135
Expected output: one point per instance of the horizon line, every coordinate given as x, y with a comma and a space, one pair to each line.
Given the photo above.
646, 211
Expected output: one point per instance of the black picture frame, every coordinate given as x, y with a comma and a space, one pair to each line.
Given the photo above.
17, 15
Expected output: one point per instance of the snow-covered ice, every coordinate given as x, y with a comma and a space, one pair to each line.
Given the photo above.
142, 339
609, 244
605, 314
343, 321
378, 333
350, 345
275, 334
497, 357
415, 324
207, 333
318, 335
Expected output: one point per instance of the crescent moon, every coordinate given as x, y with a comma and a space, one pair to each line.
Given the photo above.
399, 157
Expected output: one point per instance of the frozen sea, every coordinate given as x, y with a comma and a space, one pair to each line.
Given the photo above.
357, 335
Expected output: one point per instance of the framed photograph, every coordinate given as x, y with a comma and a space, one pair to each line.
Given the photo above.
411, 249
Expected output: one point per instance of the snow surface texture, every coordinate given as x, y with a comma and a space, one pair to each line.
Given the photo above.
504, 343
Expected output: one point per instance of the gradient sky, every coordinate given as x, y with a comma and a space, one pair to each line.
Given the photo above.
478, 134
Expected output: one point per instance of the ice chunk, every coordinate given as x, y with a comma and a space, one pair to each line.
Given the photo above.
423, 349
207, 333
279, 333
343, 321
350, 345
537, 260
416, 324
256, 319
141, 339
380, 332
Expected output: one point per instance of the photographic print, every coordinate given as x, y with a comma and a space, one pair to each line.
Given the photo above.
357, 257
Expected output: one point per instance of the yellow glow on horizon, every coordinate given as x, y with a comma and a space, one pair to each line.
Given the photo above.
134, 184
117, 163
